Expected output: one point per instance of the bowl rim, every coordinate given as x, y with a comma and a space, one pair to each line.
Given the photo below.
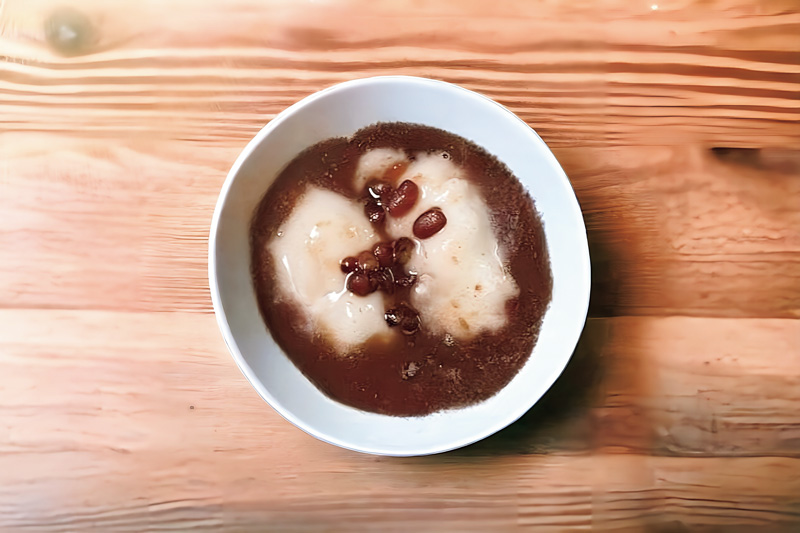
581, 306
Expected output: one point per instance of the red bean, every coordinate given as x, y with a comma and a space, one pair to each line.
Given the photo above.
403, 248
404, 317
382, 280
367, 261
401, 200
378, 188
410, 323
384, 253
358, 283
392, 317
429, 223
374, 211
410, 370
406, 281
348, 264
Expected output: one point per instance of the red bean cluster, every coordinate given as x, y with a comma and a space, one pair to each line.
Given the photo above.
383, 199
379, 268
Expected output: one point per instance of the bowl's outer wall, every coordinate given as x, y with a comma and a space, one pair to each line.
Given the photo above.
340, 111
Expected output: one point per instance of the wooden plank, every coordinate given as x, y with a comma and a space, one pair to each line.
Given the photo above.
703, 386
667, 385
570, 76
670, 386
684, 230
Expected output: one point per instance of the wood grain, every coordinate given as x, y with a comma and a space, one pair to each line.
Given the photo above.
677, 123
140, 386
598, 73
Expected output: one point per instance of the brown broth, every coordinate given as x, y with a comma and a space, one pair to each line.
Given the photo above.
419, 374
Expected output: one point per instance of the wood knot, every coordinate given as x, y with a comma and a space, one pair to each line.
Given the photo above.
69, 32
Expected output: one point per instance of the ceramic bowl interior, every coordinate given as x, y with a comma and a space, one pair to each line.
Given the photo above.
340, 111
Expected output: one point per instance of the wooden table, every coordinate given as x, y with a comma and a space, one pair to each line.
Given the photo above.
677, 122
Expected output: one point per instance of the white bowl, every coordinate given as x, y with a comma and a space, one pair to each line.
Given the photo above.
340, 111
